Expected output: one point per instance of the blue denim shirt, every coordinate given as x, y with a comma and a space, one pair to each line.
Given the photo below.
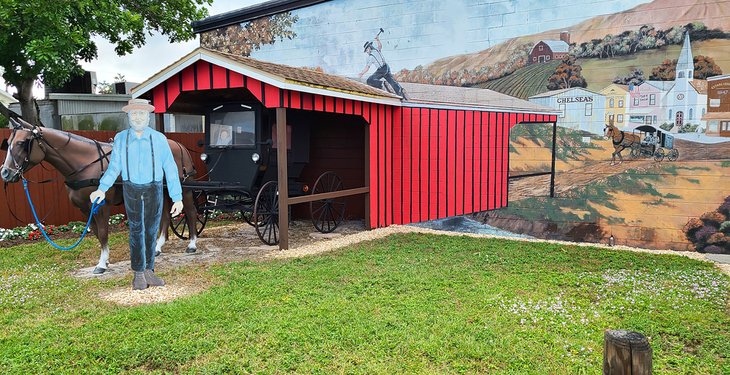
140, 161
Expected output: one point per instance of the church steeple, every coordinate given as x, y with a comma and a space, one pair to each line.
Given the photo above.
685, 63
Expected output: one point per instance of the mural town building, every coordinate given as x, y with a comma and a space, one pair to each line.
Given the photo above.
617, 102
580, 109
718, 106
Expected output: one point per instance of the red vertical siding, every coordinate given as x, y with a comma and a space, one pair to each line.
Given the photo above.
173, 89
439, 169
188, 79
203, 73
398, 170
460, 160
158, 99
220, 80
469, 163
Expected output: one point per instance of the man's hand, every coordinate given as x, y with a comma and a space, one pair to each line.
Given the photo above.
97, 196
177, 208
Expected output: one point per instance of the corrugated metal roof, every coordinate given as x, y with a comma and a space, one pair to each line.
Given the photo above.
469, 97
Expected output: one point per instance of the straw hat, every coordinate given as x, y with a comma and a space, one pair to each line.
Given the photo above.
138, 104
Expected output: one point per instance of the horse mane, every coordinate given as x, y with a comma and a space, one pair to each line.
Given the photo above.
76, 137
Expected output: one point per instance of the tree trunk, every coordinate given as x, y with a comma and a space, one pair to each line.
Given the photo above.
28, 107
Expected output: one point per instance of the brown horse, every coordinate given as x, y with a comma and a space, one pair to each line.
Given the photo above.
621, 141
82, 161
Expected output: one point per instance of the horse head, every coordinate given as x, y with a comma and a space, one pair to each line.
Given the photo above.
21, 153
609, 129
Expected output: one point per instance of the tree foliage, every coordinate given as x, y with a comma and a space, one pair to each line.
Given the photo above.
567, 74
44, 40
704, 67
644, 38
635, 77
242, 39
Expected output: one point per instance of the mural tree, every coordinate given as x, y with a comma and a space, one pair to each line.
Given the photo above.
242, 39
634, 77
567, 75
704, 67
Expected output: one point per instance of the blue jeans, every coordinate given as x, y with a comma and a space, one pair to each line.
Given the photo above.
143, 203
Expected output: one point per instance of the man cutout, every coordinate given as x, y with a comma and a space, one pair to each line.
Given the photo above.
142, 156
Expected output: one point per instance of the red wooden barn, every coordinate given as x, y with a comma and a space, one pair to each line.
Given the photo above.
442, 152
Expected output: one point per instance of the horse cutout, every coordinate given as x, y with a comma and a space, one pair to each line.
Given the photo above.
620, 139
82, 162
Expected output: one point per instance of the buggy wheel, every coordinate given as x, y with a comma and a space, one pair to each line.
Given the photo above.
659, 154
327, 214
247, 215
179, 224
673, 154
266, 210
635, 150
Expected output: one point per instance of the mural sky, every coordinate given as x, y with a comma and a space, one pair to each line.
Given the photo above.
420, 32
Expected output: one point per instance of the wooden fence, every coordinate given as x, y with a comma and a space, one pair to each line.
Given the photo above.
51, 199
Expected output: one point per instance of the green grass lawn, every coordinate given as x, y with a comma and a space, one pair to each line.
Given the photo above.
408, 303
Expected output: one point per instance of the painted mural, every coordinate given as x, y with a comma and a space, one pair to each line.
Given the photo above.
643, 150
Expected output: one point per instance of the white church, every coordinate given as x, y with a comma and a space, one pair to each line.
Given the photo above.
683, 101
686, 101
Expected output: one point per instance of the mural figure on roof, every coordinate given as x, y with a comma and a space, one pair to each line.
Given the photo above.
382, 77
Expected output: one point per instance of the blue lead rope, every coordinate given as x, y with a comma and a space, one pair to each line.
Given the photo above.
94, 209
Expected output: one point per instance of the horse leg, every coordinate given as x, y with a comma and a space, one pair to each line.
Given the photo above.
613, 158
621, 158
164, 225
191, 218
101, 230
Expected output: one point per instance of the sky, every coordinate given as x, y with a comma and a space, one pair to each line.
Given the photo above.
156, 54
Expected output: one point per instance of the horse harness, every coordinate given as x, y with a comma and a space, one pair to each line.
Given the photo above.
623, 135
74, 185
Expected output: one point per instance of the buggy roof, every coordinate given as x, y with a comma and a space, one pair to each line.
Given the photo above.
646, 128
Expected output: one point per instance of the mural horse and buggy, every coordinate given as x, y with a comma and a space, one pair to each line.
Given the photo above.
643, 141
241, 177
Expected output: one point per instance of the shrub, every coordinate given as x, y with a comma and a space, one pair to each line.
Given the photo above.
713, 217
704, 233
714, 249
725, 227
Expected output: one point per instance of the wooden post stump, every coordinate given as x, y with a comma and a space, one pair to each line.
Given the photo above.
626, 353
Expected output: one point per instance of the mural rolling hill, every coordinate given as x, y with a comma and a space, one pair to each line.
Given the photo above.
525, 82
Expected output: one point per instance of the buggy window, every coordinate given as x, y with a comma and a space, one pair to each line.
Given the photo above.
233, 129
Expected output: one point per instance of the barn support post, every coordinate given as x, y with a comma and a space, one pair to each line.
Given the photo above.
552, 165
366, 170
283, 179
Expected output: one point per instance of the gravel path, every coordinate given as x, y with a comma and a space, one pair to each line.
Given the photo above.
231, 247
